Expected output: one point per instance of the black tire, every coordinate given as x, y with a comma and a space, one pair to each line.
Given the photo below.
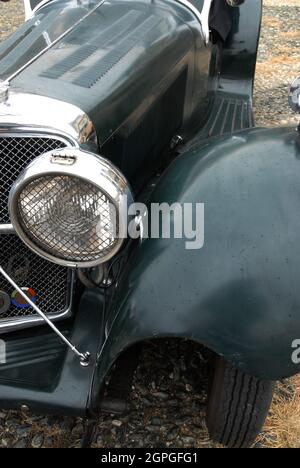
238, 405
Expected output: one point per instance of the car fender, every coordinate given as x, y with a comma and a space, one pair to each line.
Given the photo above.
239, 294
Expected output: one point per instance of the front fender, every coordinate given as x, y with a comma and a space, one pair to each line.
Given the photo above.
239, 295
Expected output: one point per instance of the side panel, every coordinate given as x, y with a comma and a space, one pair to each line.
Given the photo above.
239, 294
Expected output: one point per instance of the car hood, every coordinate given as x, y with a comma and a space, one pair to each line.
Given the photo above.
41, 32
109, 59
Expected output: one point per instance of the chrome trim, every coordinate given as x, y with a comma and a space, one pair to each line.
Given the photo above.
40, 114
64, 34
4, 88
6, 229
202, 17
87, 166
20, 323
29, 11
31, 132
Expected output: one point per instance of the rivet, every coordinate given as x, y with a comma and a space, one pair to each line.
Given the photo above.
24, 408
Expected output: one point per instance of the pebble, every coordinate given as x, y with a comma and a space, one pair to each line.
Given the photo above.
152, 429
37, 441
21, 444
23, 431
78, 430
161, 395
172, 434
4, 442
117, 423
156, 421
146, 402
188, 440
48, 441
173, 403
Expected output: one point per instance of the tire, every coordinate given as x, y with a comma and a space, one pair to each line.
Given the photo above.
238, 405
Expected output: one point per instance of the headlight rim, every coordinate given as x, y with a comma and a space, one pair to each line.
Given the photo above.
43, 166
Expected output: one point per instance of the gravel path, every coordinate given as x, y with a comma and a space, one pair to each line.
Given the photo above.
278, 62
11, 16
169, 391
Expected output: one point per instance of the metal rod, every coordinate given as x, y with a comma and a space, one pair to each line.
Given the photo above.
84, 357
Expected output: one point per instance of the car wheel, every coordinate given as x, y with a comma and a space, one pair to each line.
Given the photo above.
238, 405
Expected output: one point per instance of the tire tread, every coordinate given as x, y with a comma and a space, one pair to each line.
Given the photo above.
238, 406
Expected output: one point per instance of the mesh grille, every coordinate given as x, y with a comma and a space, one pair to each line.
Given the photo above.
15, 154
50, 282
69, 218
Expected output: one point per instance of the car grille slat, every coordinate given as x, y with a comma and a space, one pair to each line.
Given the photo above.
50, 282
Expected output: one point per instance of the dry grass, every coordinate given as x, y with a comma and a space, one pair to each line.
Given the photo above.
273, 3
271, 22
291, 34
287, 50
282, 60
282, 429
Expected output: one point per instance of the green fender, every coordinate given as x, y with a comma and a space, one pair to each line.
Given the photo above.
239, 295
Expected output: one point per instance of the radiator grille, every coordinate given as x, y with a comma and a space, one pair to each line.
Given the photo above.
15, 154
47, 280
50, 282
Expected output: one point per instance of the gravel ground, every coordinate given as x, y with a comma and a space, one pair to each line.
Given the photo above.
168, 397
12, 15
278, 62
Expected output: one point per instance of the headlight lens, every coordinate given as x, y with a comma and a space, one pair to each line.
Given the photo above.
69, 207
69, 218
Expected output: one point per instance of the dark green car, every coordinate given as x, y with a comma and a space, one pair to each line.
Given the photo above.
139, 201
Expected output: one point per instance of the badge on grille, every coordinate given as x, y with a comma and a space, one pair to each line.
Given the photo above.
18, 301
4, 302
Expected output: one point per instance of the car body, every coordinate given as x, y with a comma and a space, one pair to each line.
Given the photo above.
142, 85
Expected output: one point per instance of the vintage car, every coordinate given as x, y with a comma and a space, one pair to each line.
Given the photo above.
107, 103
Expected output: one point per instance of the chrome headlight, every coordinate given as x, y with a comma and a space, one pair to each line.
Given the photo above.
70, 207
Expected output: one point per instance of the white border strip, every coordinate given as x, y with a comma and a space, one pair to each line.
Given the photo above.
29, 12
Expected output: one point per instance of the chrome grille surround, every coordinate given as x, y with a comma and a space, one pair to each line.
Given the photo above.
53, 284
33, 114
